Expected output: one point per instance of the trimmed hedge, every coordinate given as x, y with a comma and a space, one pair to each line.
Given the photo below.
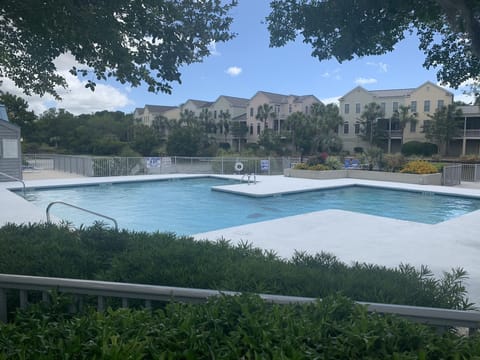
419, 148
166, 259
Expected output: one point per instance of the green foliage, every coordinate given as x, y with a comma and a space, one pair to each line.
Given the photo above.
229, 327
393, 162
444, 126
448, 30
140, 43
419, 148
165, 259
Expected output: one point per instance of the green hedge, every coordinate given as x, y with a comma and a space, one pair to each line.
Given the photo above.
240, 327
419, 148
166, 259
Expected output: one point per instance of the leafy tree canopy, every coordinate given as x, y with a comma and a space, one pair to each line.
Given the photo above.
449, 30
135, 42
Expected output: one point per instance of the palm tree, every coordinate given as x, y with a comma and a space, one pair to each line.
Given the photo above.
371, 113
404, 117
225, 122
264, 112
443, 127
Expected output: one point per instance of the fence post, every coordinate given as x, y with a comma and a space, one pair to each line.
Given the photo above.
3, 306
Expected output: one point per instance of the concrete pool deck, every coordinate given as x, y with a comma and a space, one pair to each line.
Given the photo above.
349, 236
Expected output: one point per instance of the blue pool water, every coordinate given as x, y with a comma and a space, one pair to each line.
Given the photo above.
189, 206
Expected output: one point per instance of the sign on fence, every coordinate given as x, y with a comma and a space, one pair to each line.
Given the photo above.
264, 165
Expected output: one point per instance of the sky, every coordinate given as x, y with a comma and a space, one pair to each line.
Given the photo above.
245, 65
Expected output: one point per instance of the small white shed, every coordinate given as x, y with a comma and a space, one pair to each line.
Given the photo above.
10, 149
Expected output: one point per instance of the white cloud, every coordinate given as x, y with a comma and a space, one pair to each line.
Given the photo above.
466, 98
212, 47
335, 74
76, 98
382, 67
234, 71
365, 81
331, 100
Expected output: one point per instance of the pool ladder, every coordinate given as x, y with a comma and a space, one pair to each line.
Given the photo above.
16, 179
250, 177
80, 208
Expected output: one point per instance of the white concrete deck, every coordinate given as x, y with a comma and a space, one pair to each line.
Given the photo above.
350, 236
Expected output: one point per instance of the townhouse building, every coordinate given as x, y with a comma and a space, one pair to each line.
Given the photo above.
281, 107
422, 101
229, 116
148, 113
468, 139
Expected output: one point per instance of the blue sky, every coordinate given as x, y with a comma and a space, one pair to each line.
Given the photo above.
246, 64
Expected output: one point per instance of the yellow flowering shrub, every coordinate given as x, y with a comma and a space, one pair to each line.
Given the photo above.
419, 167
318, 167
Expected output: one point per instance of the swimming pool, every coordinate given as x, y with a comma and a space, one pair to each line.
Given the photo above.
189, 206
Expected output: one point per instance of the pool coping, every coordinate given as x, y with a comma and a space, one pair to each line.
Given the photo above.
349, 236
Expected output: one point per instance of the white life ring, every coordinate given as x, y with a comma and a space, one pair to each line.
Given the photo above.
238, 166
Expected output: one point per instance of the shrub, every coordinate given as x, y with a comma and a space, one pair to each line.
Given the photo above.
358, 150
419, 167
165, 259
301, 166
470, 159
419, 148
229, 327
333, 163
393, 162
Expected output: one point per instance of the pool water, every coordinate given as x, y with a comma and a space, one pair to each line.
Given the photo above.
189, 206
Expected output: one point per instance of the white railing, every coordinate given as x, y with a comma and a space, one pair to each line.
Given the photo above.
124, 166
442, 318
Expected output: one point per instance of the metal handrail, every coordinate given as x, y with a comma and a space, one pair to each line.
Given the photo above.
16, 179
79, 208
148, 293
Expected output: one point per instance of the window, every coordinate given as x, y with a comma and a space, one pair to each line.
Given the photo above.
440, 104
251, 129
426, 125
345, 128
395, 106
347, 108
426, 106
382, 106
251, 112
357, 108
258, 129
306, 109
413, 126
413, 106
215, 114
289, 108
277, 109
357, 128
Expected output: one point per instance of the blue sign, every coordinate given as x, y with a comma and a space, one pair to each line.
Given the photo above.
264, 165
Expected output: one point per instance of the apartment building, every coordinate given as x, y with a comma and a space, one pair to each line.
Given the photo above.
423, 101
281, 107
148, 113
468, 139
232, 109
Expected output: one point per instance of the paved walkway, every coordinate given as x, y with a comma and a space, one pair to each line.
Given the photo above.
348, 235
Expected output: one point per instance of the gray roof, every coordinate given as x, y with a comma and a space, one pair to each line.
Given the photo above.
236, 101
139, 111
392, 92
159, 109
470, 110
276, 98
200, 103
283, 99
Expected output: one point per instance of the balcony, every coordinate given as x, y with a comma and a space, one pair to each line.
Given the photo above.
469, 133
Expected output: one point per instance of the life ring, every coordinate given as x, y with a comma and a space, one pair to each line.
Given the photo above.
238, 166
